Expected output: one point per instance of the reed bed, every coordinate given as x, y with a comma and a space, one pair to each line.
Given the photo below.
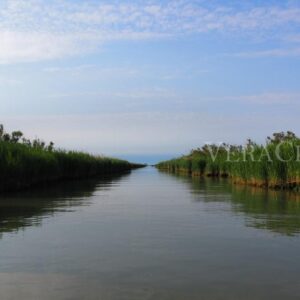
24, 163
275, 164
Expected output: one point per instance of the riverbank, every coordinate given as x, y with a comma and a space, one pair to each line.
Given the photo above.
25, 163
276, 164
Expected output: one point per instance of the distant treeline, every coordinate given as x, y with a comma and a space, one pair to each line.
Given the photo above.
275, 164
25, 162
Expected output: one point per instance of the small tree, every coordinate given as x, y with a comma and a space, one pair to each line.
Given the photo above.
6, 137
26, 142
16, 136
50, 146
37, 143
282, 136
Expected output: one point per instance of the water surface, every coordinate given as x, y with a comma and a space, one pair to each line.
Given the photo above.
149, 235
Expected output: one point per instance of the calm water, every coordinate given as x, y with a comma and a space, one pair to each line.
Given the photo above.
149, 235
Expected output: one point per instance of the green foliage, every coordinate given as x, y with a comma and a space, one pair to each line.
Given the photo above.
275, 164
31, 162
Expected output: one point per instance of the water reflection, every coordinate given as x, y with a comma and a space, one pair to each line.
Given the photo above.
28, 208
150, 236
276, 211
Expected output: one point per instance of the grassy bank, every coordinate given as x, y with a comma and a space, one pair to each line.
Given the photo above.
275, 164
24, 163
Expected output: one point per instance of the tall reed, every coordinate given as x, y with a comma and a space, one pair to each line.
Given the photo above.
25, 163
274, 164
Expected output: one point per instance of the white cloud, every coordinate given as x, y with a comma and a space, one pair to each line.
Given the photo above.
267, 98
154, 94
35, 46
275, 98
293, 38
280, 52
35, 30
71, 69
11, 82
94, 70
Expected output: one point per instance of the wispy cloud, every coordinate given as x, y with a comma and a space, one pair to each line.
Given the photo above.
94, 70
71, 69
277, 99
280, 52
295, 38
17, 46
9, 82
267, 98
153, 94
35, 30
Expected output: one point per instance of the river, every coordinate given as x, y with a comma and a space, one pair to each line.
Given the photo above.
149, 235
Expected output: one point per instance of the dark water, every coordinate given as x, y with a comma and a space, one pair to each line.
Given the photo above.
149, 235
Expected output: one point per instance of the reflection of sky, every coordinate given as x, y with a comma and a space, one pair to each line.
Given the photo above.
161, 78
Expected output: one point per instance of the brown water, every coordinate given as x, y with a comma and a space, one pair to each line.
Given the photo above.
149, 235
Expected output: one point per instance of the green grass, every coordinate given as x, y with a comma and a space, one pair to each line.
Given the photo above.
252, 164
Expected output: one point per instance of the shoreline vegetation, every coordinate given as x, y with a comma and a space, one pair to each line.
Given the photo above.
25, 163
276, 164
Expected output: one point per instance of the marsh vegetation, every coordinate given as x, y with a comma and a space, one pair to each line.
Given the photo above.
274, 164
25, 162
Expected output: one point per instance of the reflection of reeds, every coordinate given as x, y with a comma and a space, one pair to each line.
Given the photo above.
27, 208
266, 209
255, 191
257, 165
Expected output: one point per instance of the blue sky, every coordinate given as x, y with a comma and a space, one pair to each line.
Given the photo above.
152, 78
